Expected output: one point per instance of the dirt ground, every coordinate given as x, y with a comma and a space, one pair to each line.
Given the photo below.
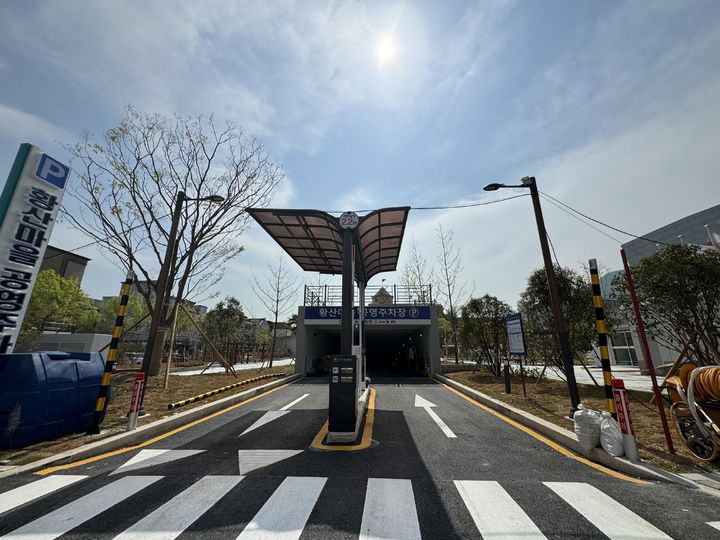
156, 404
548, 399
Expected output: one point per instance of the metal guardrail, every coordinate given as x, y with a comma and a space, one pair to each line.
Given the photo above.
331, 295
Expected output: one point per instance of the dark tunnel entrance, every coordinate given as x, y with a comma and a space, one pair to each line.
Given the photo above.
396, 352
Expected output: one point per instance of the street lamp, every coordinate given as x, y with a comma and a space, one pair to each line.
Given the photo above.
565, 352
157, 331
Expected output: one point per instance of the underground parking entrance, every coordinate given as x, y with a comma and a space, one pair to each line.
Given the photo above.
400, 337
358, 249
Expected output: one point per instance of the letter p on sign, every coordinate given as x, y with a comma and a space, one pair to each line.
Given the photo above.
52, 171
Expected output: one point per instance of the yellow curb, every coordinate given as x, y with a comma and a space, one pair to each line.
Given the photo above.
366, 440
67, 466
552, 444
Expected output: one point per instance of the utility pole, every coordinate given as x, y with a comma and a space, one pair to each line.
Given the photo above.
565, 351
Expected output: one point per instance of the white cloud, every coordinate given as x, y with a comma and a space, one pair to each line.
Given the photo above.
18, 125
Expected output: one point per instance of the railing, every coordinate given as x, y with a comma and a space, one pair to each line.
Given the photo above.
331, 295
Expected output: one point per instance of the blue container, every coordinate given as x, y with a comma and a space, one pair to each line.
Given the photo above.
46, 394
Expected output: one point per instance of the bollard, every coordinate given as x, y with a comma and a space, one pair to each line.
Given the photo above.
506, 372
135, 403
602, 337
94, 428
622, 406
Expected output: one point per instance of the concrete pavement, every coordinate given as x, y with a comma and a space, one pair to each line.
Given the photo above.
631, 377
251, 473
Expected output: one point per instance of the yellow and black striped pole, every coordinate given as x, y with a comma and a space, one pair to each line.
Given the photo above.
602, 337
94, 428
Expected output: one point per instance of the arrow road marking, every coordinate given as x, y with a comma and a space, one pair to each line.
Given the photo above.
298, 400
249, 460
425, 404
273, 415
151, 457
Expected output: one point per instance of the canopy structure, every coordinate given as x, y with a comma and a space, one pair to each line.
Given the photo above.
314, 239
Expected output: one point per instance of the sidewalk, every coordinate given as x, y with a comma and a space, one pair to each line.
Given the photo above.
221, 369
630, 375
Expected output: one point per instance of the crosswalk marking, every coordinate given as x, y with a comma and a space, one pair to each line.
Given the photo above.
71, 515
389, 510
176, 515
608, 515
495, 513
34, 490
286, 512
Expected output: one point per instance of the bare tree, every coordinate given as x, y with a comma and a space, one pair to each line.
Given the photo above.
276, 290
415, 275
128, 183
452, 289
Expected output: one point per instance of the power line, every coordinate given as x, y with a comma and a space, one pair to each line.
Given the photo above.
440, 207
581, 220
605, 224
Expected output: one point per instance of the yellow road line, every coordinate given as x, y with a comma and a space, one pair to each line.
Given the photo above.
366, 437
154, 439
552, 444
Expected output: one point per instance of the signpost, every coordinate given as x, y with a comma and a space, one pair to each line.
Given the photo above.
28, 207
516, 342
136, 400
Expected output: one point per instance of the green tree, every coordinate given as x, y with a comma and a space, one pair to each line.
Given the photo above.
59, 301
108, 310
679, 290
539, 323
224, 326
482, 330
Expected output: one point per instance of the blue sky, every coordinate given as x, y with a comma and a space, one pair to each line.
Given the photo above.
613, 106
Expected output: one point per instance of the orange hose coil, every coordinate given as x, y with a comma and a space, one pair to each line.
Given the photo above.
707, 385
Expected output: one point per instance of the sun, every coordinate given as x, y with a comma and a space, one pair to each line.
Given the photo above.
385, 50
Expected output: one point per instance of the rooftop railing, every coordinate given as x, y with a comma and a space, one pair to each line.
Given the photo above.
331, 295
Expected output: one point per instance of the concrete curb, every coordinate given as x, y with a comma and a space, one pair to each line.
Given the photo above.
131, 438
567, 438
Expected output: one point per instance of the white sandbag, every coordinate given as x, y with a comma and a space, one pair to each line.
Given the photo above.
611, 437
587, 427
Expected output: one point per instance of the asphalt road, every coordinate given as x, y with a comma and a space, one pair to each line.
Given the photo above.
251, 473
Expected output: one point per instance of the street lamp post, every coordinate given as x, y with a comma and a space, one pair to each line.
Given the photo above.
561, 328
156, 336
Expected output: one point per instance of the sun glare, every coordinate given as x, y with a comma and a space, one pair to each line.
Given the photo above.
385, 50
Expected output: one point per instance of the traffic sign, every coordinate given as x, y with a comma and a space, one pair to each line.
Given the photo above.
349, 220
516, 337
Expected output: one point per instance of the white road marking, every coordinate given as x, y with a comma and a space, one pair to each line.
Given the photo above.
495, 513
148, 458
249, 460
265, 419
298, 400
608, 515
34, 490
425, 404
284, 515
715, 524
172, 518
389, 510
76, 513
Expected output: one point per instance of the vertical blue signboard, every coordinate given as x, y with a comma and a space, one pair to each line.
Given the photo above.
28, 207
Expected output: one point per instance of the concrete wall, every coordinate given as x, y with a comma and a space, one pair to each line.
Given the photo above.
73, 342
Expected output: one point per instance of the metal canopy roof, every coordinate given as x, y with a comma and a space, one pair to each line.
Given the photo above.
314, 239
